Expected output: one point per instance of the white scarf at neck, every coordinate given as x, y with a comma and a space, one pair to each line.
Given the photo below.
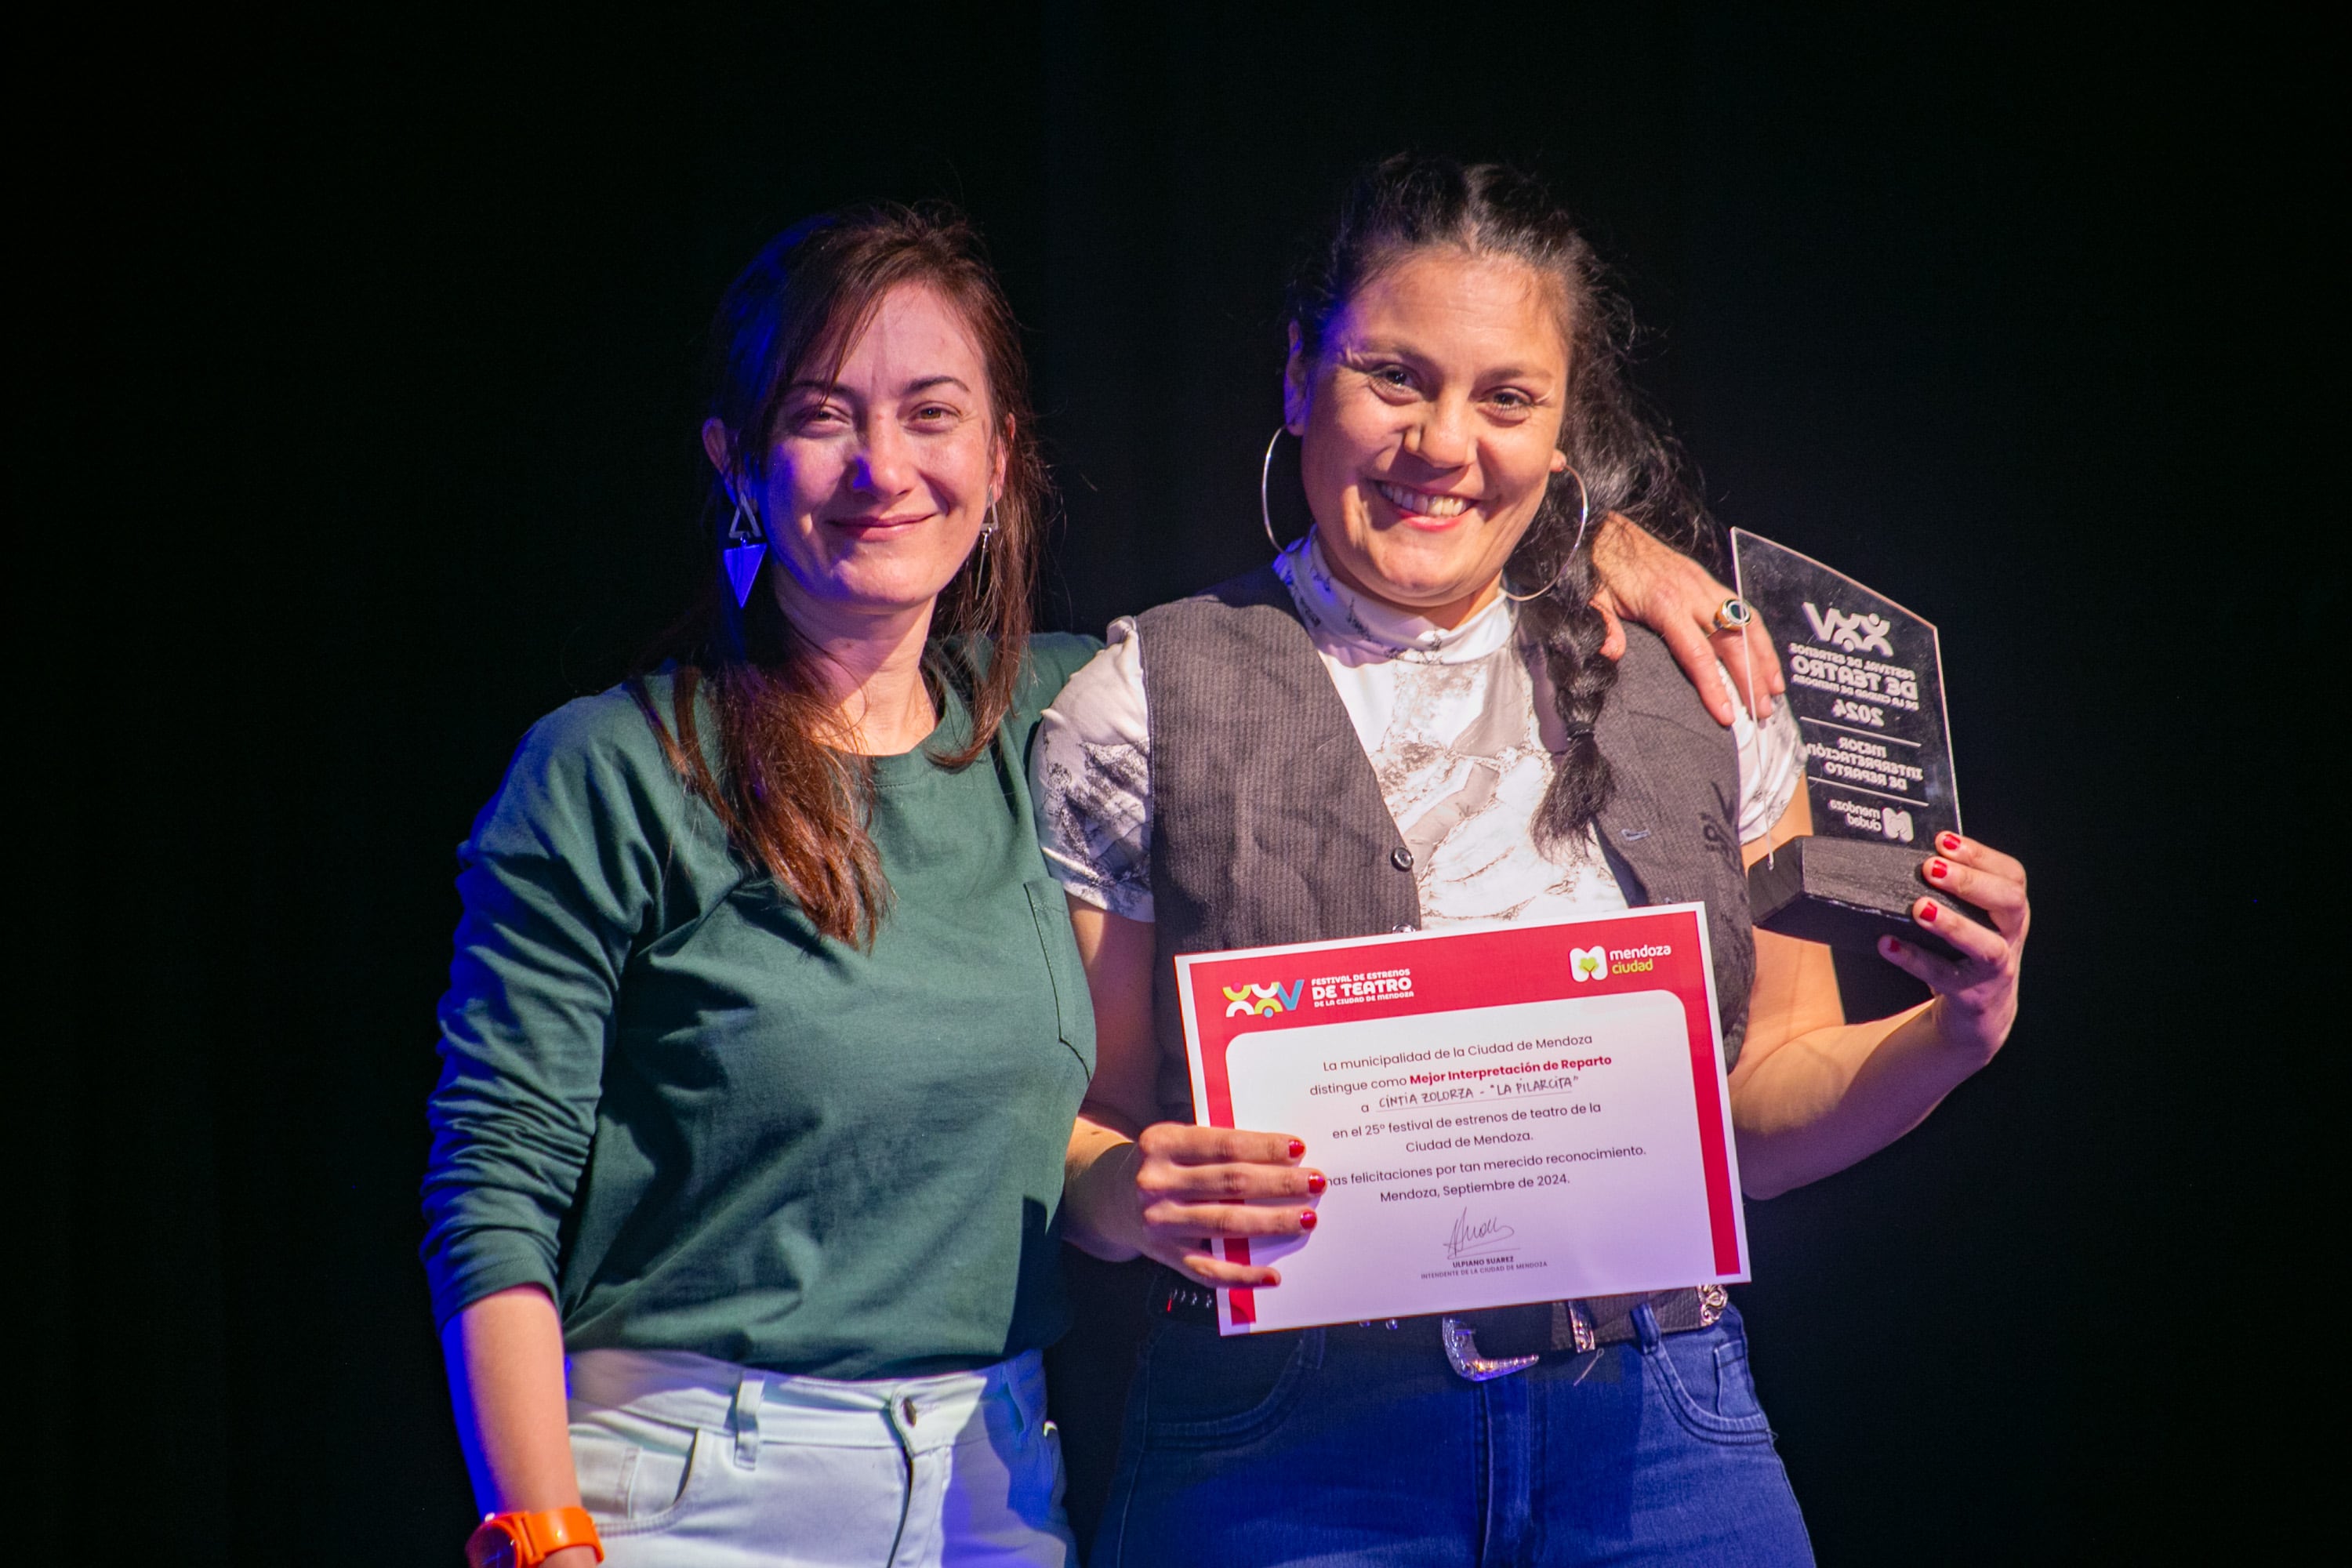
1358, 629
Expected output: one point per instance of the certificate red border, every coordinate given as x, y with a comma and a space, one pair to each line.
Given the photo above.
1487, 967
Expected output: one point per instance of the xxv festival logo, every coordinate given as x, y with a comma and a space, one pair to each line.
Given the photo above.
1853, 633
1264, 1001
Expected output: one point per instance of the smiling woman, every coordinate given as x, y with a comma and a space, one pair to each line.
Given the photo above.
1434, 406
880, 473
1410, 718
871, 428
795, 1296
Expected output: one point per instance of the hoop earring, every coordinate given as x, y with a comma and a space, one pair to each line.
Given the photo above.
746, 548
1583, 516
1266, 473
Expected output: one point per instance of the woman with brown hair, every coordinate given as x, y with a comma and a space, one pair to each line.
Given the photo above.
765, 1028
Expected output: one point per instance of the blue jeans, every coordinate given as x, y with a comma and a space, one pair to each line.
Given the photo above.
1362, 1446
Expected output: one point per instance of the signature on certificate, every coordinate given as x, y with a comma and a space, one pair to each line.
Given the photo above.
1473, 1240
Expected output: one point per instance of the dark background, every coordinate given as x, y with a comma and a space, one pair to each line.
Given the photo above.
361, 364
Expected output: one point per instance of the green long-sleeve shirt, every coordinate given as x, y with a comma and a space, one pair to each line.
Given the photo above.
701, 1125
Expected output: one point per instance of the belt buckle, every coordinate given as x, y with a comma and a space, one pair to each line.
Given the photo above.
1462, 1351
1712, 1300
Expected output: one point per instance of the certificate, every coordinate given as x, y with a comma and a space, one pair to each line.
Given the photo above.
1504, 1114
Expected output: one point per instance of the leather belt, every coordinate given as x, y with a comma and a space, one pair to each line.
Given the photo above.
1494, 1340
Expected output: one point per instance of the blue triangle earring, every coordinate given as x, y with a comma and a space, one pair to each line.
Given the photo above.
746, 547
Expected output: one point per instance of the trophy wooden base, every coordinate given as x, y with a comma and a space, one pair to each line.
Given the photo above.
1847, 892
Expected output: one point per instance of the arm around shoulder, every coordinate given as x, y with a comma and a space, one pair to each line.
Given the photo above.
1644, 580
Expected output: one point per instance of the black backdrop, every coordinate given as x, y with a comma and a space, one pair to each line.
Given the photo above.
362, 359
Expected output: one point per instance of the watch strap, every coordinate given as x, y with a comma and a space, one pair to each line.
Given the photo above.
532, 1536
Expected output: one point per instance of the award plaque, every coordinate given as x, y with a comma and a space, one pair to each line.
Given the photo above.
1865, 680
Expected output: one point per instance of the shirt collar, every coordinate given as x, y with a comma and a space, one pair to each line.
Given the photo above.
1339, 618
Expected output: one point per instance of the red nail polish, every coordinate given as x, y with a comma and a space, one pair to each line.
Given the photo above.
1314, 1182
1926, 911
1949, 842
1938, 870
1298, 1147
1894, 946
1307, 1219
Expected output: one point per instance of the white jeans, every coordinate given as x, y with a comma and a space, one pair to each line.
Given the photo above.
688, 1462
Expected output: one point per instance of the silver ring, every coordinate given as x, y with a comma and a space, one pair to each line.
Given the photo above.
1733, 614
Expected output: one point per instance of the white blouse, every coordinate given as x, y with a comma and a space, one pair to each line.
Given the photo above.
1460, 727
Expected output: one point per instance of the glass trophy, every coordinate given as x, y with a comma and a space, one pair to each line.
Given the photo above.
1866, 680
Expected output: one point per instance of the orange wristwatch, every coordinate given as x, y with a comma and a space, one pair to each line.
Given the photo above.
528, 1540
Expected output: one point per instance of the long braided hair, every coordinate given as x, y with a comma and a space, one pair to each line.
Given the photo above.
1413, 203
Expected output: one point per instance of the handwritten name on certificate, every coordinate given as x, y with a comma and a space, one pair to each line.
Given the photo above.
1510, 1114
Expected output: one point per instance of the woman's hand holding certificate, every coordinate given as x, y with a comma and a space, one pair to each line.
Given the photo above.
1196, 1185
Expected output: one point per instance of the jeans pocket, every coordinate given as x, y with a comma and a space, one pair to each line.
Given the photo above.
1702, 1379
1735, 1391
1206, 1391
636, 1475
1028, 1446
1049, 1460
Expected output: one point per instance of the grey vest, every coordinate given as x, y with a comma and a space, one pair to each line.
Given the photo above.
1268, 825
